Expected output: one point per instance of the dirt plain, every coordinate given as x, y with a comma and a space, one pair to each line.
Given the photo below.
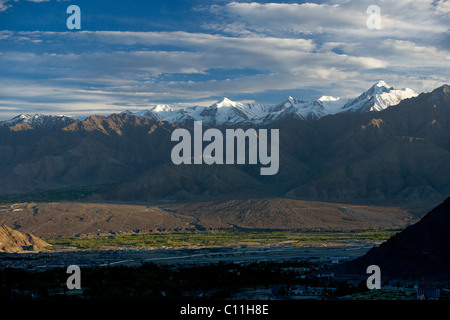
65, 219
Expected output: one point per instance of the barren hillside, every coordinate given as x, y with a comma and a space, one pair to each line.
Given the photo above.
15, 241
79, 219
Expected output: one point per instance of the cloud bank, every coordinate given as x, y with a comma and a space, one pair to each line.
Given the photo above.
259, 51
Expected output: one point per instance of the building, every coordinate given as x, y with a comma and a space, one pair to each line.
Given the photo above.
427, 293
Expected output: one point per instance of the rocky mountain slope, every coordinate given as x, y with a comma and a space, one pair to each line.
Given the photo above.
397, 155
16, 241
420, 252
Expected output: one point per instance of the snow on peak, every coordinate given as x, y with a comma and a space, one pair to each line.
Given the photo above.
381, 83
227, 103
39, 120
328, 98
157, 112
332, 105
161, 108
379, 97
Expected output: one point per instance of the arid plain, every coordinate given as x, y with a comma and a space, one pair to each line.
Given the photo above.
69, 219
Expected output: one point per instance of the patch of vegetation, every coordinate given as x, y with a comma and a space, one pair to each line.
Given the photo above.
212, 239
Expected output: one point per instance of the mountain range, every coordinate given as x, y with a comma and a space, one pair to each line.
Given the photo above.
226, 112
386, 146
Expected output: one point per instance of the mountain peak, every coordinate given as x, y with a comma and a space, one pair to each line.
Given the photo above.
379, 97
126, 112
161, 108
379, 88
226, 103
38, 120
443, 89
292, 101
27, 116
381, 83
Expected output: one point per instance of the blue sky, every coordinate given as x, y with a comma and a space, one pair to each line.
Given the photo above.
135, 54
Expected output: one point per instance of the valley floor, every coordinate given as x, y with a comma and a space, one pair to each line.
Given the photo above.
184, 256
196, 276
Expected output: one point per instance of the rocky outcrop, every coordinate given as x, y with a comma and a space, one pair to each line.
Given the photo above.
15, 241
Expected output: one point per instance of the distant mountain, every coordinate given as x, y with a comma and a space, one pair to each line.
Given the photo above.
27, 121
397, 151
224, 112
333, 105
158, 112
300, 109
379, 97
97, 150
420, 252
227, 112
398, 155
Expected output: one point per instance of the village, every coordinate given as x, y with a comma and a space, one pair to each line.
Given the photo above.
226, 273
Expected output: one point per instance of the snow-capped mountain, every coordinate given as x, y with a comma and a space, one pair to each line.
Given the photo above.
306, 110
378, 97
227, 112
39, 121
296, 108
333, 104
220, 113
158, 112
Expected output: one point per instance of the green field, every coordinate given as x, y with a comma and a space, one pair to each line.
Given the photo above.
179, 240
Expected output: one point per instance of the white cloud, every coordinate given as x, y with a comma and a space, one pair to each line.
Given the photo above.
325, 47
4, 5
101, 67
443, 6
278, 61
